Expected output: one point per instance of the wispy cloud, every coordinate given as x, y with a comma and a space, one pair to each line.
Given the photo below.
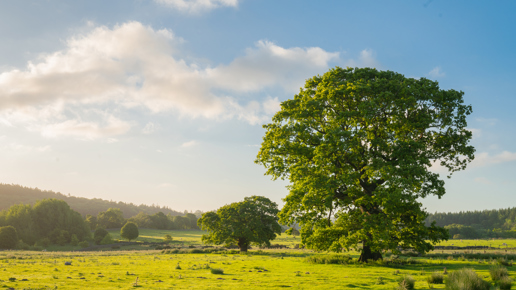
436, 72
190, 144
485, 159
195, 6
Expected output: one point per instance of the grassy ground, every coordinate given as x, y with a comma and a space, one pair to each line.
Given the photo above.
155, 270
275, 269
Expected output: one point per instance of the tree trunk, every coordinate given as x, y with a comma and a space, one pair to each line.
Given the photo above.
242, 244
367, 254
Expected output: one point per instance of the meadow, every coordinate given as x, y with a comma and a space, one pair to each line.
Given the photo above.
182, 268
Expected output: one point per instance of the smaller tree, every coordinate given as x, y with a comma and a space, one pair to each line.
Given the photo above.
8, 237
99, 234
252, 221
129, 231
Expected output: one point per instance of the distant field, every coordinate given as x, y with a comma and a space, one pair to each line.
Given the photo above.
495, 243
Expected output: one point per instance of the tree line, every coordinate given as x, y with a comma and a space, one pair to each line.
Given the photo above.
11, 194
53, 221
496, 223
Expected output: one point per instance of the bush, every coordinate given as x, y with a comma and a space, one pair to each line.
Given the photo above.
168, 238
466, 279
498, 272
22, 245
107, 240
329, 259
435, 278
84, 244
74, 241
407, 283
505, 283
8, 237
99, 235
217, 271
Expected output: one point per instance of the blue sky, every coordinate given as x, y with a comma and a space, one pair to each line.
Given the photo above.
162, 101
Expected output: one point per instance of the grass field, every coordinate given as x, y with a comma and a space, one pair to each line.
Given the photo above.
156, 270
260, 269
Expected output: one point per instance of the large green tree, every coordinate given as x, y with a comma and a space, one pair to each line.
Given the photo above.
357, 146
252, 221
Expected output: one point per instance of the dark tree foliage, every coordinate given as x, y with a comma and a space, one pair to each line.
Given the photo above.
129, 231
357, 146
51, 214
8, 237
47, 218
252, 221
99, 235
161, 221
110, 219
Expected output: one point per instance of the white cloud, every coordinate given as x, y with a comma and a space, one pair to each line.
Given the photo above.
484, 159
436, 72
135, 66
190, 144
197, 5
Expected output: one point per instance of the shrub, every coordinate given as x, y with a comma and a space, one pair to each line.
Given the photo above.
107, 240
74, 241
466, 279
22, 245
168, 238
435, 278
8, 237
329, 259
505, 283
217, 271
407, 283
84, 244
498, 272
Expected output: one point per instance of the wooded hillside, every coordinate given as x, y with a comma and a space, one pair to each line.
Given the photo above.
11, 194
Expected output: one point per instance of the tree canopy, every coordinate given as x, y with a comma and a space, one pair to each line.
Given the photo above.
252, 221
357, 146
129, 231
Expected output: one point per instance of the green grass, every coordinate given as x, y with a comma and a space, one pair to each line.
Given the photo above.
275, 268
272, 269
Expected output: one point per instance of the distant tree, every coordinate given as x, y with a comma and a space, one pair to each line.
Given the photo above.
20, 216
99, 234
142, 219
160, 221
129, 231
112, 218
8, 237
252, 221
168, 238
51, 214
180, 223
192, 221
91, 221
